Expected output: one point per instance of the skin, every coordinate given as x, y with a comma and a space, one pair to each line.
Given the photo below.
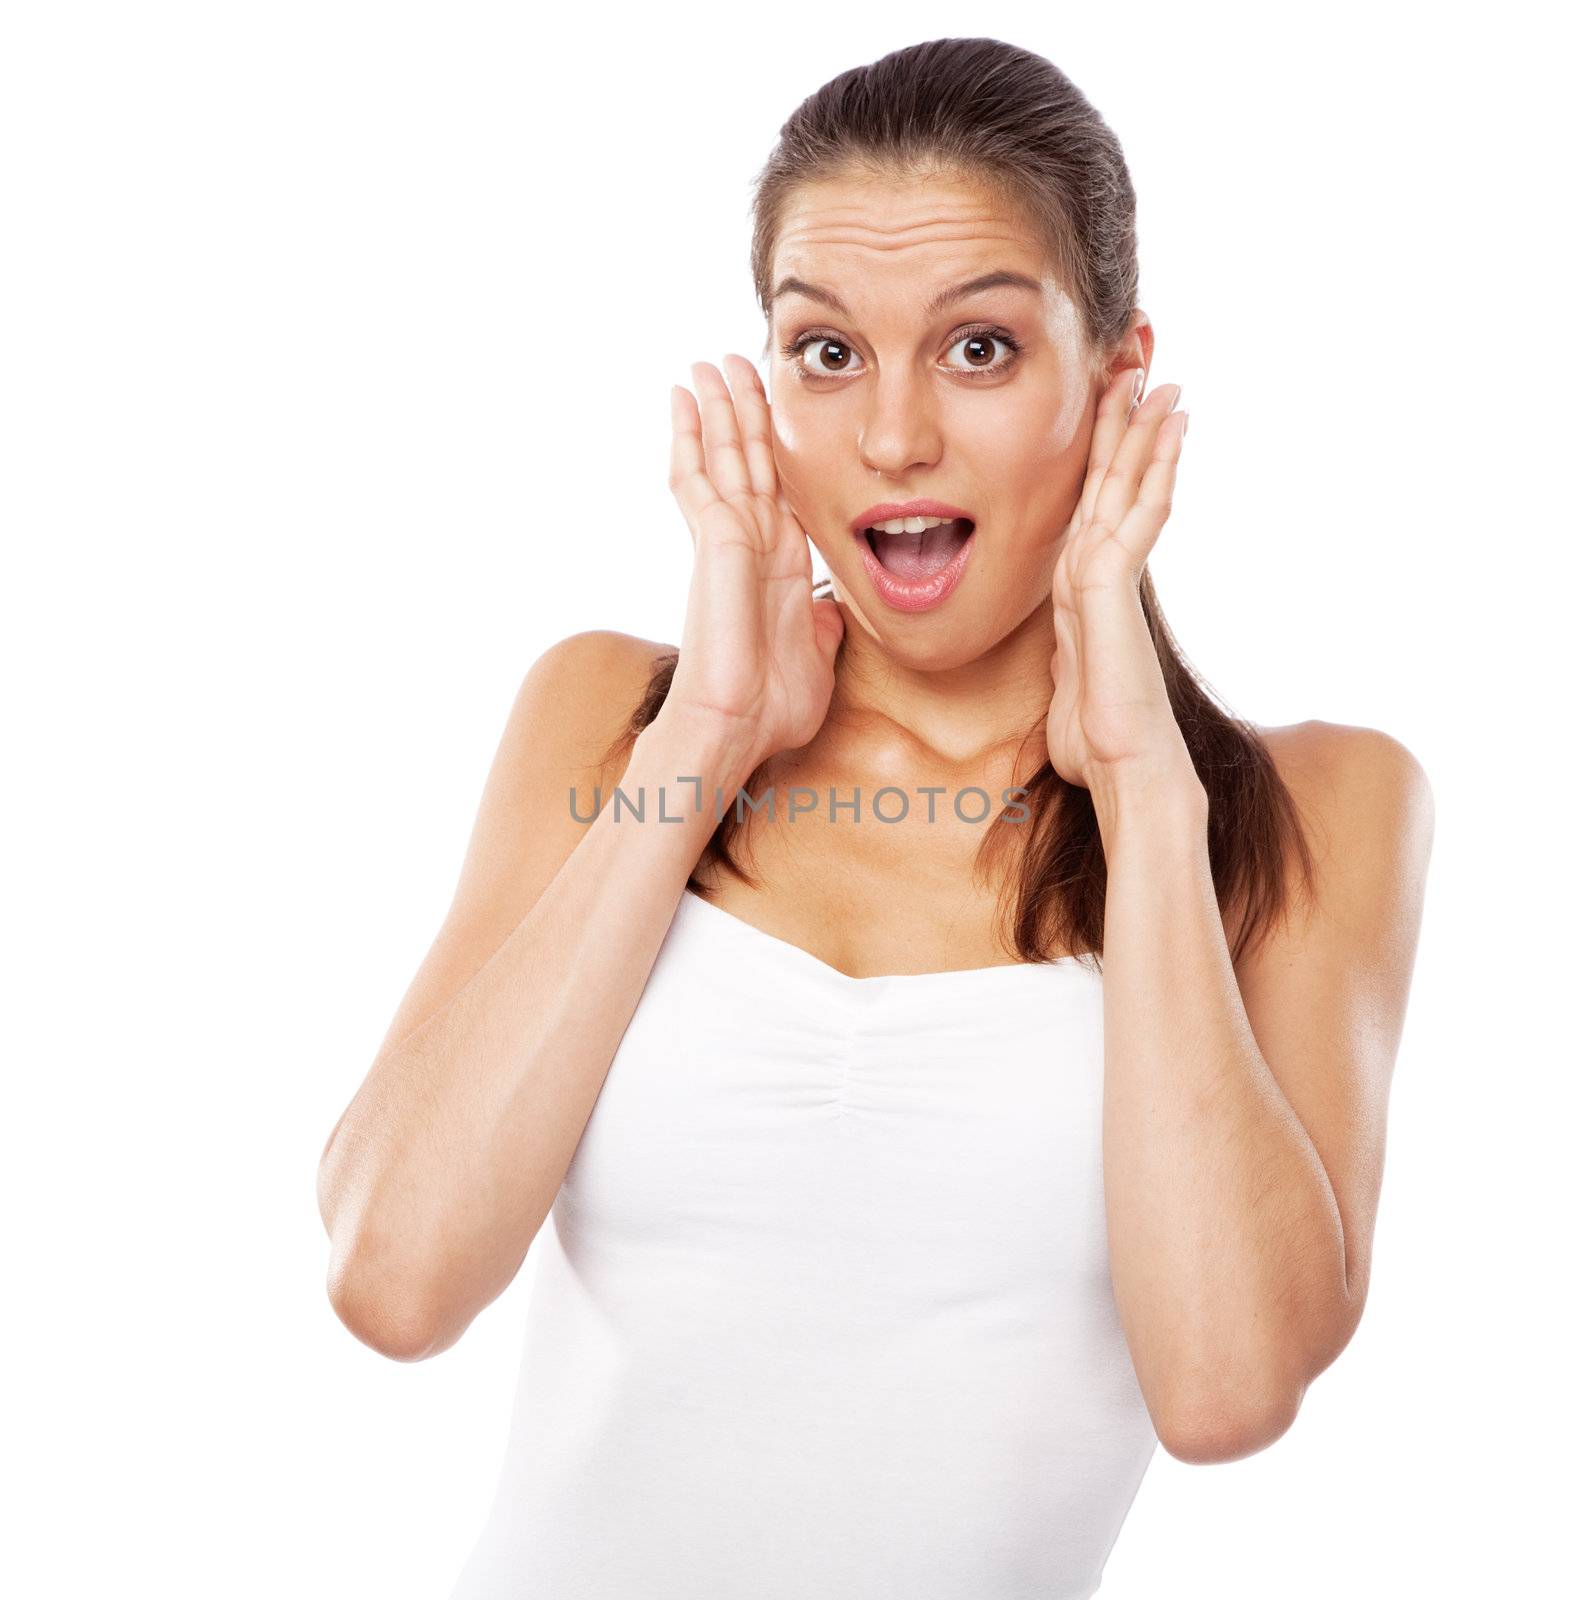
1244, 1102
1008, 440
919, 407
1011, 428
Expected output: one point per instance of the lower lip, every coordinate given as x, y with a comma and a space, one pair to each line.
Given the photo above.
926, 593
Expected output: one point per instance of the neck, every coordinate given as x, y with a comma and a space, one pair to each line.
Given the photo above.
964, 715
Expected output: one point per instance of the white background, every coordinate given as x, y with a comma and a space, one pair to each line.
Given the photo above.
337, 342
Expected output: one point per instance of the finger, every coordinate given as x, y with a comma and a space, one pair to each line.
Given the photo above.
1119, 486
726, 460
687, 472
1115, 412
1141, 525
756, 428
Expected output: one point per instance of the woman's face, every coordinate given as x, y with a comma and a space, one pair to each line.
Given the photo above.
984, 402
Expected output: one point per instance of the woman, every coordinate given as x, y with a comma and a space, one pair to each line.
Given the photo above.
916, 1176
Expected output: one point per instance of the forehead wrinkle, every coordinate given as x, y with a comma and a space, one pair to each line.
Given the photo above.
918, 209
792, 283
888, 247
870, 236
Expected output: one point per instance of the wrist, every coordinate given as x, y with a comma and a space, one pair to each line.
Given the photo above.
1165, 792
678, 746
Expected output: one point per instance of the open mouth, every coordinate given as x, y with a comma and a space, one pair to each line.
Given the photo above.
913, 549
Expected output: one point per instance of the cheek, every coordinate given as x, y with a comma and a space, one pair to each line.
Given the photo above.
799, 425
1038, 430
1030, 458
804, 455
796, 444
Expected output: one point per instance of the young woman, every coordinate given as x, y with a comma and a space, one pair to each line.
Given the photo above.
953, 1051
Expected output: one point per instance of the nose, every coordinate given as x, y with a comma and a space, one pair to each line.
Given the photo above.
901, 428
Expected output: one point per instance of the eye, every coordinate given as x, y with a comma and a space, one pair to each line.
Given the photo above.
829, 350
984, 340
832, 353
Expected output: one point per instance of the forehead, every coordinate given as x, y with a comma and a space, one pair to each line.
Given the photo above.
891, 234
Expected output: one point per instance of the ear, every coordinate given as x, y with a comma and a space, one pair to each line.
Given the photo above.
1135, 348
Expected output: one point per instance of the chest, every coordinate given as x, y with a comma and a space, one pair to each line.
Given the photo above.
870, 896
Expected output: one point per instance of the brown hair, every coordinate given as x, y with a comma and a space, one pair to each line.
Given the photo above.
1014, 123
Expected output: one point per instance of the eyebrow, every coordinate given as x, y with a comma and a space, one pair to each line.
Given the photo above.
945, 297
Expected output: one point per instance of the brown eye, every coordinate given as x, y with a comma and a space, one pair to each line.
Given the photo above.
830, 358
981, 351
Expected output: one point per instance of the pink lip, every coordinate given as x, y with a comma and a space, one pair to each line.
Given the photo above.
907, 508
929, 592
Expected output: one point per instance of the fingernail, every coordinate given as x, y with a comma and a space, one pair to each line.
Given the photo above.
1176, 395
1184, 424
1138, 386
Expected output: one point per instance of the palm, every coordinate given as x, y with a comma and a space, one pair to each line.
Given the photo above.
757, 656
1109, 704
1089, 725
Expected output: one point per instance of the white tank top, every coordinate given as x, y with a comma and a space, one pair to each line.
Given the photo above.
825, 1309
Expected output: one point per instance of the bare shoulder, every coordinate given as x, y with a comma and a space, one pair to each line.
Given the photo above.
1336, 767
1363, 799
572, 706
579, 695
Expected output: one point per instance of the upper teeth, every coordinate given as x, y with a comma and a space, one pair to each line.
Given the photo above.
910, 524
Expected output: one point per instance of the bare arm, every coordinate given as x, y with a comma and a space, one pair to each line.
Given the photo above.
446, 1162
1245, 1108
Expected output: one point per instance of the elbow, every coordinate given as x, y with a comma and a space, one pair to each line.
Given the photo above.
1206, 1434
373, 1301
391, 1320
1240, 1414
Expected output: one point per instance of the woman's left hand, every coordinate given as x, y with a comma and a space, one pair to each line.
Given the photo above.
1110, 716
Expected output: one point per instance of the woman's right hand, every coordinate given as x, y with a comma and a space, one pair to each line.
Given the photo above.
756, 662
